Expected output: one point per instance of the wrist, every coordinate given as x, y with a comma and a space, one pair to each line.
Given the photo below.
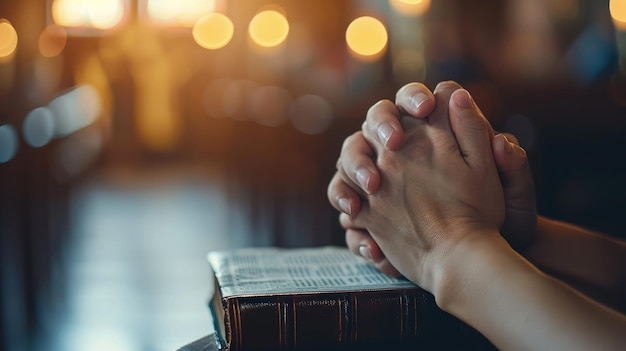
468, 267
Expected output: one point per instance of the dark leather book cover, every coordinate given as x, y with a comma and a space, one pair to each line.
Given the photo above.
325, 298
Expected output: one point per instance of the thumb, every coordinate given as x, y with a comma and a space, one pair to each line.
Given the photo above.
472, 131
519, 191
512, 163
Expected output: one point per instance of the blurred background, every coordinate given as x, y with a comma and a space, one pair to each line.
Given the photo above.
137, 135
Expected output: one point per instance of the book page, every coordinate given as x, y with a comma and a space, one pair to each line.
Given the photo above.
291, 271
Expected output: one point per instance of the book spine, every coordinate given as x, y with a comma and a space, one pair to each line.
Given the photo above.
312, 321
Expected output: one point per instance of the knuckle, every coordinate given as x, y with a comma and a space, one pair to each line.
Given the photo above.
375, 114
349, 141
331, 189
475, 123
388, 162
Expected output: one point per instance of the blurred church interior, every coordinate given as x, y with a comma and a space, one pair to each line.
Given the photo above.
138, 135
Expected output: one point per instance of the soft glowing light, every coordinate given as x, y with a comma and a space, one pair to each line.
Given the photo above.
8, 39
180, 12
311, 114
68, 13
38, 128
105, 14
410, 7
8, 143
366, 36
52, 41
213, 31
235, 97
269, 28
75, 110
100, 14
618, 12
269, 105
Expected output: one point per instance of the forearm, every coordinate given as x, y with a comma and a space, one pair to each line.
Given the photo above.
593, 263
516, 306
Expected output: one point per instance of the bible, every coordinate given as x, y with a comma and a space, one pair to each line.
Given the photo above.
324, 298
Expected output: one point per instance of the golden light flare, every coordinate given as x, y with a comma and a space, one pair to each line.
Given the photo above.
105, 14
99, 14
213, 31
618, 13
68, 13
52, 41
268, 28
366, 37
8, 39
179, 12
410, 7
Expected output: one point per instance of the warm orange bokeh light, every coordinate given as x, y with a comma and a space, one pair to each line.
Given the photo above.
366, 37
213, 31
68, 13
268, 28
8, 39
52, 41
179, 12
410, 7
618, 12
105, 14
100, 14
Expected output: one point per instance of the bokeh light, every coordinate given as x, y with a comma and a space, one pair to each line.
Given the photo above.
105, 14
52, 41
269, 105
268, 28
68, 13
618, 13
100, 14
235, 98
75, 110
8, 39
311, 114
180, 12
366, 37
213, 31
8, 143
38, 127
410, 7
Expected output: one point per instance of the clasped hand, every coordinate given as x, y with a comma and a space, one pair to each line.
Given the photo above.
435, 180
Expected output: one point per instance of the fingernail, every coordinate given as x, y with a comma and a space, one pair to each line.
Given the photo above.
344, 205
365, 252
507, 144
462, 98
384, 133
363, 177
418, 100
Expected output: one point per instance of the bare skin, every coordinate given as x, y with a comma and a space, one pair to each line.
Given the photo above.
589, 261
436, 209
356, 167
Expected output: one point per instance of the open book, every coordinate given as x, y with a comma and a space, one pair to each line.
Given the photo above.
313, 298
